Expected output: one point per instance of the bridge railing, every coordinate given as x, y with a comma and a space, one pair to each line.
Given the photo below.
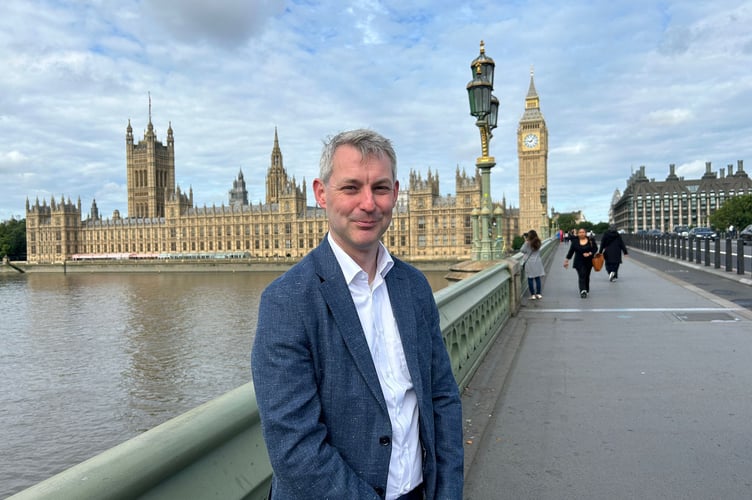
217, 450
724, 254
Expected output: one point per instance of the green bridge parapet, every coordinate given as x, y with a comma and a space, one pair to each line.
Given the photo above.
217, 450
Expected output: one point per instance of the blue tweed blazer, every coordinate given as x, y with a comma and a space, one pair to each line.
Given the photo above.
323, 414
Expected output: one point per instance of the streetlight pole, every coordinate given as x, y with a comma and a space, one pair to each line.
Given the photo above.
544, 223
553, 223
485, 108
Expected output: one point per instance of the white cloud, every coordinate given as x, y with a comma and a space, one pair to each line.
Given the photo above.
691, 170
227, 23
9, 159
641, 84
669, 116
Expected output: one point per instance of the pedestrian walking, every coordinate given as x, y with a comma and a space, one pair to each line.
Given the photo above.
583, 249
533, 264
612, 248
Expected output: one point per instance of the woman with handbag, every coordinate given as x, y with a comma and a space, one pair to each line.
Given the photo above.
583, 249
533, 264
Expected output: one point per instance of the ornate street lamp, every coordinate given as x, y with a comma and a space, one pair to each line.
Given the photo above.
553, 222
543, 200
484, 106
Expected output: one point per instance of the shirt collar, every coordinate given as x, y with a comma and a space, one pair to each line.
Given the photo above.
350, 268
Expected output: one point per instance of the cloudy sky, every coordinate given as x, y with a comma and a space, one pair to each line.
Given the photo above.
621, 83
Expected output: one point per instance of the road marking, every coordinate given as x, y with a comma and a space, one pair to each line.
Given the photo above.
643, 309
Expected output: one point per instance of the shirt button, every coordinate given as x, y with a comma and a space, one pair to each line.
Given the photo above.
384, 440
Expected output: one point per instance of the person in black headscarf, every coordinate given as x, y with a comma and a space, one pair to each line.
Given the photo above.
582, 248
612, 247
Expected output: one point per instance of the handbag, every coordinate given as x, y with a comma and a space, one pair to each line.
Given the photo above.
598, 261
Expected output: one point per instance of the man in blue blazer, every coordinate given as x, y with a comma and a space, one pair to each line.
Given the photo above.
353, 382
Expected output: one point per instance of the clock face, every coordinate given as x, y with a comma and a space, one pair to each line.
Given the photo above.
530, 141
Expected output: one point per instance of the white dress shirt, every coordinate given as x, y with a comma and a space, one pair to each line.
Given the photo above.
380, 328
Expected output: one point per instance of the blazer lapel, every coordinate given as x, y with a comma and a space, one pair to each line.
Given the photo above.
336, 294
402, 300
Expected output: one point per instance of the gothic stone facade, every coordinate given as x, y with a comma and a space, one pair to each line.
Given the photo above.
532, 151
163, 222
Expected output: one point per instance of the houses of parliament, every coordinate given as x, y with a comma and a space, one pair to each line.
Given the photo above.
163, 222
162, 219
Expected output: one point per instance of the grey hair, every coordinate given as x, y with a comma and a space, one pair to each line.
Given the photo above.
370, 144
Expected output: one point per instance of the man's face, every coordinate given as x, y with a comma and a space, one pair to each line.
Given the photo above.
358, 199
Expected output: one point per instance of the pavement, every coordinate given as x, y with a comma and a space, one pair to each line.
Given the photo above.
640, 391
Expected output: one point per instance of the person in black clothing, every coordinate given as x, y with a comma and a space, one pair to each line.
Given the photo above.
612, 247
583, 249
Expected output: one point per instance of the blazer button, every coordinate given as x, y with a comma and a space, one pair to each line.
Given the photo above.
379, 491
384, 441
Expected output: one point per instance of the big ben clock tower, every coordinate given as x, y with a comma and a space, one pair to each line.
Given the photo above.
532, 150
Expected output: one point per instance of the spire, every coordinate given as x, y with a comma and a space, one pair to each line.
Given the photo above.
239, 193
129, 133
276, 178
532, 102
531, 92
276, 153
150, 126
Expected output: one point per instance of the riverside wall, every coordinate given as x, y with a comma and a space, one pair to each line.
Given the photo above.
182, 266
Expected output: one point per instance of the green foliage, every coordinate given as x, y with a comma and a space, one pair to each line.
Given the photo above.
567, 222
13, 239
517, 243
736, 211
601, 227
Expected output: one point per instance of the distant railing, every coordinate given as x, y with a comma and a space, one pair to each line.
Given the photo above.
725, 254
217, 450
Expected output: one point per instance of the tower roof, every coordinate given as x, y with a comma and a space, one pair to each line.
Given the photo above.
532, 103
531, 92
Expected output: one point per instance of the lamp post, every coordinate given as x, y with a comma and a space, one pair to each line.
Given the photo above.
498, 242
543, 200
553, 223
485, 108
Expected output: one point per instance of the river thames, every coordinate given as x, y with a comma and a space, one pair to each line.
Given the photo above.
88, 361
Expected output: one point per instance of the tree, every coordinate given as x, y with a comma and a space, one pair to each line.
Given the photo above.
601, 227
13, 239
567, 222
517, 243
736, 211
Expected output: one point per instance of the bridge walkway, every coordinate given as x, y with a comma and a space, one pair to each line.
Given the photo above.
641, 391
